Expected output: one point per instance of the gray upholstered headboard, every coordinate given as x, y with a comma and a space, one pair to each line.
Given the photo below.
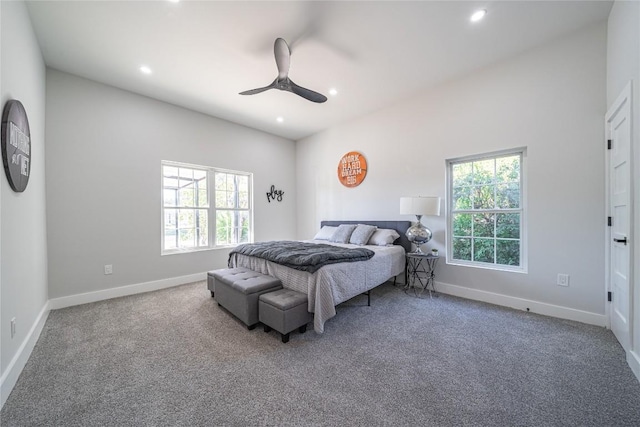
400, 226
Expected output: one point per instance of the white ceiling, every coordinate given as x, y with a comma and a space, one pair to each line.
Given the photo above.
203, 53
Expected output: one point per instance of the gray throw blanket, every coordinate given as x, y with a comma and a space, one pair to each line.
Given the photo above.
301, 255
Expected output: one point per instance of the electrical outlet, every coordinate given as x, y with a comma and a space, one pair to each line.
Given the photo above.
13, 327
563, 280
108, 269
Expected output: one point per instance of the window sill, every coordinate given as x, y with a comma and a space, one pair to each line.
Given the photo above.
506, 269
190, 251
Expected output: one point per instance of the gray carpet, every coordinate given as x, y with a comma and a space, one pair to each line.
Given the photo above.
173, 357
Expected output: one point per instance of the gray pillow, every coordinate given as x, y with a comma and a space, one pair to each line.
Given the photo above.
361, 234
342, 233
325, 233
383, 237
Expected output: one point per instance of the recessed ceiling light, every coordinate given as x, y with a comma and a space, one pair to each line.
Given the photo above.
145, 70
478, 15
333, 91
174, 1
280, 119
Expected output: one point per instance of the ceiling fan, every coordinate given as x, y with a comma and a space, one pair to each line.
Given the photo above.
283, 55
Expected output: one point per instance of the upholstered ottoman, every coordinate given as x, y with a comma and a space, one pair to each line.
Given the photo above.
284, 310
238, 290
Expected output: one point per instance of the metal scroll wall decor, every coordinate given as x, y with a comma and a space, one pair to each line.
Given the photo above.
274, 194
16, 145
352, 169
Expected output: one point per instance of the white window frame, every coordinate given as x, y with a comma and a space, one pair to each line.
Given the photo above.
211, 208
523, 267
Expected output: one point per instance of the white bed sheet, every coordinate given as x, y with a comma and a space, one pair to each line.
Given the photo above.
333, 283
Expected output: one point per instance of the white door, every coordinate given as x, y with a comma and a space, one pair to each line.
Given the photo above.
618, 121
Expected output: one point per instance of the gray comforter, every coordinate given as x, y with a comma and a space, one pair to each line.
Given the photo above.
301, 255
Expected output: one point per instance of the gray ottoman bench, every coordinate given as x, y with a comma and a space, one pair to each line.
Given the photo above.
284, 310
238, 290
211, 284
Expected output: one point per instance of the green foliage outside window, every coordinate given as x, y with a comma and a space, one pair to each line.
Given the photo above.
486, 210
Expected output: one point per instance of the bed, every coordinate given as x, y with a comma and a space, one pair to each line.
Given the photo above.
335, 283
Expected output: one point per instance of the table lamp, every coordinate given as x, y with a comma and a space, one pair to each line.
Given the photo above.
418, 234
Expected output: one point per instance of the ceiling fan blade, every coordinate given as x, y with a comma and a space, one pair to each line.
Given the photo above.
283, 57
260, 89
307, 93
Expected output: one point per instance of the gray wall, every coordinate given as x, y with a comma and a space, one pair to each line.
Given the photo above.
623, 65
105, 146
551, 100
23, 288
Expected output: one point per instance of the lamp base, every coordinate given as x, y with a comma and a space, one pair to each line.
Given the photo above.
418, 235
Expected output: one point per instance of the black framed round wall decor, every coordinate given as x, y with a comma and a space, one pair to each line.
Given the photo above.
16, 145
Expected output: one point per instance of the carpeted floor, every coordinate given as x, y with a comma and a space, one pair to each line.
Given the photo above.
173, 357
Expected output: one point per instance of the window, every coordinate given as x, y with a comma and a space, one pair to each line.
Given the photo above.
486, 220
194, 197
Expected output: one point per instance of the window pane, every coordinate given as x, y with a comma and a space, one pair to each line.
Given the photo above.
462, 249
508, 225
171, 239
203, 228
202, 198
221, 181
186, 218
461, 174
483, 225
170, 182
231, 199
508, 252
199, 175
483, 171
186, 238
186, 173
223, 228
508, 169
170, 218
202, 184
169, 171
231, 183
243, 200
186, 197
243, 232
483, 250
461, 225
243, 183
508, 196
170, 198
462, 198
483, 197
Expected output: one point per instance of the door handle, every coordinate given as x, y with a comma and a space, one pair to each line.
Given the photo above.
621, 240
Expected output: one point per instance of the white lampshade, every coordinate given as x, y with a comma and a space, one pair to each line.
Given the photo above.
420, 206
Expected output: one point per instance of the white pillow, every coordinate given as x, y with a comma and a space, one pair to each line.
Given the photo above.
362, 234
343, 233
383, 237
325, 232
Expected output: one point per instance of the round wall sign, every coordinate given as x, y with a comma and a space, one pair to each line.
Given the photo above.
352, 169
16, 145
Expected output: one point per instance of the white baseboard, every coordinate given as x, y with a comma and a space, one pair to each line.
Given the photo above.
17, 364
524, 304
122, 291
633, 359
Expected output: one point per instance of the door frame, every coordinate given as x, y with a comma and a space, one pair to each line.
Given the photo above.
625, 96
